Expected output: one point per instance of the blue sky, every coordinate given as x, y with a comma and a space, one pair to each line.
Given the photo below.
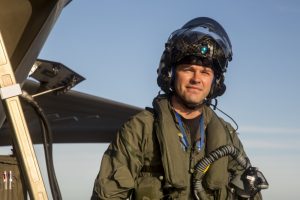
116, 46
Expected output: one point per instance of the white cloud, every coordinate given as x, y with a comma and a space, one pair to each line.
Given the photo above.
272, 144
270, 130
270, 138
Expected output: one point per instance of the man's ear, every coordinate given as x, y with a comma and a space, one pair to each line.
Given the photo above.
218, 87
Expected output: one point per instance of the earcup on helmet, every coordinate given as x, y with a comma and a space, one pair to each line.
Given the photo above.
218, 88
164, 71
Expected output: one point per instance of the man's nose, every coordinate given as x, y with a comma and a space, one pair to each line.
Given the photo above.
196, 78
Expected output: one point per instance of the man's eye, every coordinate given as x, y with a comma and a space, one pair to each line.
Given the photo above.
206, 72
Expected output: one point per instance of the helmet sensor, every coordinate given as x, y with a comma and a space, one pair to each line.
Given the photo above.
204, 50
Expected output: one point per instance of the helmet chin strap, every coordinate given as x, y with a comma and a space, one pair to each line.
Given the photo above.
191, 106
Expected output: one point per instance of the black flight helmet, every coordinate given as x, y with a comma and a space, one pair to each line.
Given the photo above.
200, 41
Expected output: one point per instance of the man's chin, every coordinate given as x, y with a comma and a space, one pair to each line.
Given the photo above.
194, 103
190, 102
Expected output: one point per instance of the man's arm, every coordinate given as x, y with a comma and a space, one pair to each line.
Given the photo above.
238, 173
122, 161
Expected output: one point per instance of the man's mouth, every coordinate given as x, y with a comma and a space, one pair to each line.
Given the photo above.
193, 88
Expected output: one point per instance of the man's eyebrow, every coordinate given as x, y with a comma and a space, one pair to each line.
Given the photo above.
183, 66
208, 68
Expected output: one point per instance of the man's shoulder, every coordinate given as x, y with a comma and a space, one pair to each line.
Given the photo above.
146, 114
138, 126
210, 113
143, 118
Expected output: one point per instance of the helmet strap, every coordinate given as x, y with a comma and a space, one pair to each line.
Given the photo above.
190, 106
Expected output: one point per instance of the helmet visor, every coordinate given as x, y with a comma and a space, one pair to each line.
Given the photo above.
201, 32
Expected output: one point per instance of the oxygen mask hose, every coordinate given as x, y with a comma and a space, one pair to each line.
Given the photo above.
47, 140
254, 178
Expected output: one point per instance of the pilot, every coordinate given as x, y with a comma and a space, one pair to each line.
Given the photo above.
160, 152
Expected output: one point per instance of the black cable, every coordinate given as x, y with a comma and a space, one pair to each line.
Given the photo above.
202, 166
47, 141
214, 106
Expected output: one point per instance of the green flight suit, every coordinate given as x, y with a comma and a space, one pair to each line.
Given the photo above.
146, 160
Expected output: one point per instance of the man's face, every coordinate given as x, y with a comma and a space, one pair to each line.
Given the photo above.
193, 82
